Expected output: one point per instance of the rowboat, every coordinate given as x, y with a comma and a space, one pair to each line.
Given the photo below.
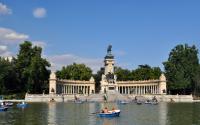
114, 113
123, 102
8, 103
139, 102
22, 105
3, 108
78, 102
151, 102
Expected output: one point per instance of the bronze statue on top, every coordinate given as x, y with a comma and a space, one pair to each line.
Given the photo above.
109, 49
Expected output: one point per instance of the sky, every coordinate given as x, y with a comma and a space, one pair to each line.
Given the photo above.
140, 31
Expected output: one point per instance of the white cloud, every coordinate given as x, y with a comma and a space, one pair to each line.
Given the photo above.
3, 48
4, 51
39, 12
58, 61
11, 36
15, 36
4, 10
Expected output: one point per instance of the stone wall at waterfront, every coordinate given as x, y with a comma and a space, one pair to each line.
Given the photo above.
166, 98
48, 97
66, 98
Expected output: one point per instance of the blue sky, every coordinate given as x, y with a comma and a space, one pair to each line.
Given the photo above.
140, 31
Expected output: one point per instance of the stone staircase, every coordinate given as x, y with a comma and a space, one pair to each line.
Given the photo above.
111, 95
95, 98
114, 96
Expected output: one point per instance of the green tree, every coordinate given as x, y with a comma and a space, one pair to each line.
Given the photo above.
197, 83
75, 72
38, 80
22, 63
31, 69
146, 72
97, 78
4, 66
122, 74
7, 76
181, 69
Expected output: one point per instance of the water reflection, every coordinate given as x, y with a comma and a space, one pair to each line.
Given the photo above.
51, 113
81, 114
162, 109
109, 121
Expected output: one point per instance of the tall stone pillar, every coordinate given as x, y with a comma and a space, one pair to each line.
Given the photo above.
162, 85
52, 83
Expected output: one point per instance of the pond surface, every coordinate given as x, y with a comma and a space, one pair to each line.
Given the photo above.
83, 114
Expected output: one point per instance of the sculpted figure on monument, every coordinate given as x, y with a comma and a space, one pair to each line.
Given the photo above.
109, 49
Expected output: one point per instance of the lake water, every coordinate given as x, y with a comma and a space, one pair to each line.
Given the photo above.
81, 114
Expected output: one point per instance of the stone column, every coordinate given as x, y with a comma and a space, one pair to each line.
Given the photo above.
85, 90
136, 90
152, 89
88, 89
139, 90
52, 83
66, 89
157, 89
142, 90
162, 84
70, 89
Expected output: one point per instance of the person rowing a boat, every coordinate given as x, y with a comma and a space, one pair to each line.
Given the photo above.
113, 109
105, 110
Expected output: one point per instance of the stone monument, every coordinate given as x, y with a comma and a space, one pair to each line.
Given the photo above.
108, 79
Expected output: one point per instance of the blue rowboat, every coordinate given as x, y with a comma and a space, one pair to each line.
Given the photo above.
123, 102
109, 114
22, 105
3, 108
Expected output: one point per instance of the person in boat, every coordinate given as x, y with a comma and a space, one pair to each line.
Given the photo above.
154, 99
75, 97
105, 110
52, 100
113, 109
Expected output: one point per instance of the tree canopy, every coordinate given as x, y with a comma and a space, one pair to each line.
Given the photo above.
146, 72
143, 72
97, 78
75, 72
181, 69
123, 74
7, 76
26, 73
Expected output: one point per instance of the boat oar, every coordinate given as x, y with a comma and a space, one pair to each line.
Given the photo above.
95, 112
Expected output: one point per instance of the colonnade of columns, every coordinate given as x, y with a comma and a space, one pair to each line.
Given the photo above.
138, 90
73, 89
